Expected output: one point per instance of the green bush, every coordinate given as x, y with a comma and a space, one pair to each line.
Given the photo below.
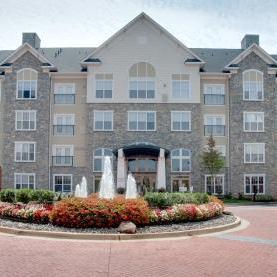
7, 195
42, 196
23, 195
166, 199
264, 198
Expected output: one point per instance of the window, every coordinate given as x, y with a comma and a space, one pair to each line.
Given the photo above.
27, 84
24, 181
141, 121
254, 183
98, 158
181, 184
181, 87
142, 165
254, 152
103, 120
214, 185
180, 160
253, 121
25, 120
180, 121
64, 94
214, 125
104, 85
253, 85
221, 149
25, 151
63, 183
63, 155
142, 81
64, 124
214, 94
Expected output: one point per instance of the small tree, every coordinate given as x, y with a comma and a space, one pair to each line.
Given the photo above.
211, 160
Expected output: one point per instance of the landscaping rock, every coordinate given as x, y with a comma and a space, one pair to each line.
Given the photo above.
127, 227
227, 212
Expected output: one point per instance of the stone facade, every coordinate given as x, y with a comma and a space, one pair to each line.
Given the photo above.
40, 136
238, 137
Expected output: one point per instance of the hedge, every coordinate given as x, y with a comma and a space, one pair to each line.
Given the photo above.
167, 199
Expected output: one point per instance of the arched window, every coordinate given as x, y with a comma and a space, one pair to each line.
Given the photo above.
253, 85
98, 158
142, 81
180, 160
27, 84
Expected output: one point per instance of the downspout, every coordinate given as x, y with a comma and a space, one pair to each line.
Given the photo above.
229, 152
50, 130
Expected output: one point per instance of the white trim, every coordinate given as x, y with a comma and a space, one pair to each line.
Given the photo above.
94, 122
253, 143
101, 157
253, 175
35, 122
243, 85
63, 175
26, 174
25, 142
216, 175
56, 85
36, 91
182, 100
252, 131
155, 122
94, 86
180, 158
186, 112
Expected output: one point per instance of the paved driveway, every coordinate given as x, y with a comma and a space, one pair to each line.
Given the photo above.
246, 252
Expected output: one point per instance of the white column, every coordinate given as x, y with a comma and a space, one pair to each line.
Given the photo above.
121, 169
161, 177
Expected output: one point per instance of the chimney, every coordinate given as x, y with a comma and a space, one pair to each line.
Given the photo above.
248, 40
31, 38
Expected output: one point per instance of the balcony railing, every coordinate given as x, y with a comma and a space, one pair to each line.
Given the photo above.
64, 98
63, 130
62, 160
214, 99
214, 130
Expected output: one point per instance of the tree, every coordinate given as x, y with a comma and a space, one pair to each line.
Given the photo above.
211, 160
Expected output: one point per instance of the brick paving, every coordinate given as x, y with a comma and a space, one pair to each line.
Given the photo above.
248, 252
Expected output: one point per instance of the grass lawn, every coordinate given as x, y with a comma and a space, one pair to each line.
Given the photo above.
238, 201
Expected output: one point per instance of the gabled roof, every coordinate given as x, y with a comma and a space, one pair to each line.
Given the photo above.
22, 50
130, 24
257, 50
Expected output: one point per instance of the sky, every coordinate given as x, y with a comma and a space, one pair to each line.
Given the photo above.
88, 23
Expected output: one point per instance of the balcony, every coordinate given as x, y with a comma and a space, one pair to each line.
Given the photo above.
62, 160
214, 99
64, 99
63, 130
214, 130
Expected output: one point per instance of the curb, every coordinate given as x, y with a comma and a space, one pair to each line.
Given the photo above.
118, 237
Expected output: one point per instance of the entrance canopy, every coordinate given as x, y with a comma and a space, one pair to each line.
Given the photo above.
141, 148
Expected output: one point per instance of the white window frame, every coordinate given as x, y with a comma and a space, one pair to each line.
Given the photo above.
63, 146
25, 174
104, 80
25, 142
244, 122
215, 176
189, 86
214, 86
185, 112
155, 121
222, 116
254, 175
103, 116
64, 85
244, 85
63, 175
100, 157
17, 84
180, 158
26, 111
221, 148
251, 145
55, 122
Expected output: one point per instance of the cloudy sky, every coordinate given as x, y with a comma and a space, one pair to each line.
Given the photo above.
197, 23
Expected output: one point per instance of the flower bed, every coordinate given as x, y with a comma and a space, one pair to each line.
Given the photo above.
36, 213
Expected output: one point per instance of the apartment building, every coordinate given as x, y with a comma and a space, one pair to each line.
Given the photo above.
147, 101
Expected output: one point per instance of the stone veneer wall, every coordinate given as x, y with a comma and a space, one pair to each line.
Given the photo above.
40, 136
162, 137
238, 136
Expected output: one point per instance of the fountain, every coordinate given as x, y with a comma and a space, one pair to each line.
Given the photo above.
107, 189
81, 190
131, 187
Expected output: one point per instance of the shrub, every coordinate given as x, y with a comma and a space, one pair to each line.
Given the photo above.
166, 199
23, 195
7, 195
100, 213
42, 196
214, 199
264, 198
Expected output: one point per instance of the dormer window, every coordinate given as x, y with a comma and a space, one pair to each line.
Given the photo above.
253, 85
142, 81
27, 84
